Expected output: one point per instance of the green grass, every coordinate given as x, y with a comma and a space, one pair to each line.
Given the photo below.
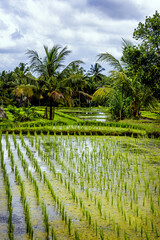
150, 115
65, 124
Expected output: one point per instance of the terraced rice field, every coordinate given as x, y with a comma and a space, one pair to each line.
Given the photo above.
79, 187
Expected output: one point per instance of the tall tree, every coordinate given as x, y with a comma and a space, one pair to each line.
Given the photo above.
49, 68
128, 94
22, 74
75, 80
143, 59
25, 83
95, 77
7, 84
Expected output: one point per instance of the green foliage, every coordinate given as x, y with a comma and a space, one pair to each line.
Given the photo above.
119, 106
143, 60
95, 78
50, 76
129, 93
100, 97
23, 114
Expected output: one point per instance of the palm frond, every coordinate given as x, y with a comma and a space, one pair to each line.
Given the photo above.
126, 43
65, 70
56, 96
61, 56
76, 62
36, 63
107, 57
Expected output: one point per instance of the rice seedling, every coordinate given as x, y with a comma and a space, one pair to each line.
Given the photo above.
100, 207
156, 232
53, 235
9, 202
105, 176
89, 219
69, 226
76, 235
46, 221
65, 218
101, 234
118, 230
147, 237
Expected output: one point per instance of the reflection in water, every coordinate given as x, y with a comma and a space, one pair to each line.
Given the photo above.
88, 114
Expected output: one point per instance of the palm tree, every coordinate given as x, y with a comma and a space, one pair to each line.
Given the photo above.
119, 84
25, 82
24, 92
7, 84
75, 80
95, 72
48, 70
23, 75
129, 94
95, 78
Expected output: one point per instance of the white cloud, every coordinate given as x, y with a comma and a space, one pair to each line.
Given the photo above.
86, 30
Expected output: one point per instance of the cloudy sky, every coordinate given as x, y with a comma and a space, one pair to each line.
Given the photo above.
87, 27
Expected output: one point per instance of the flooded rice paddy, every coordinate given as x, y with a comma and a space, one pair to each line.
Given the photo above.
79, 187
89, 114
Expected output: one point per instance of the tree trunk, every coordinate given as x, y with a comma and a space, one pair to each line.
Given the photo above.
120, 114
51, 114
46, 113
79, 100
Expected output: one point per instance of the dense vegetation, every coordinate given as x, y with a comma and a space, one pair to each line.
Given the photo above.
125, 91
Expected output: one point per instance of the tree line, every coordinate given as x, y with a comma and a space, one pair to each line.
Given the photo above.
133, 83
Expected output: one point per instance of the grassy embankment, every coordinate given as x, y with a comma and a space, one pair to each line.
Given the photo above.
148, 125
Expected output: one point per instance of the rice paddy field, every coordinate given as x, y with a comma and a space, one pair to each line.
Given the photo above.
79, 187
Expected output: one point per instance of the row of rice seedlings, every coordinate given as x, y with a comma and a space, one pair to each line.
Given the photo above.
63, 213
34, 182
25, 166
46, 222
71, 173
55, 198
73, 195
135, 196
29, 174
25, 203
9, 197
33, 160
59, 203
20, 154
72, 190
125, 188
88, 215
134, 191
82, 188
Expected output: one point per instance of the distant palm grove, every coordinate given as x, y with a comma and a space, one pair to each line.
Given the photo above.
132, 84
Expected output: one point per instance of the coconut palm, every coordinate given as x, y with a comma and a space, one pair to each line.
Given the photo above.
48, 70
119, 83
95, 78
75, 81
24, 92
129, 94
7, 84
95, 72
23, 75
